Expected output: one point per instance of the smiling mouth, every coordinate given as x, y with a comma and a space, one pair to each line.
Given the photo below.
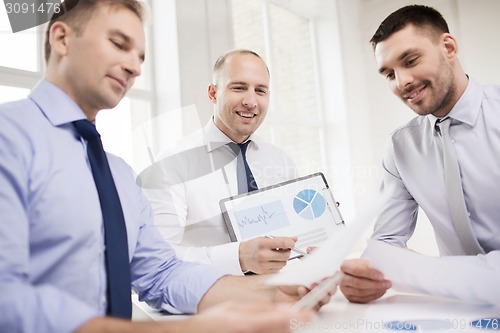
414, 95
120, 82
248, 115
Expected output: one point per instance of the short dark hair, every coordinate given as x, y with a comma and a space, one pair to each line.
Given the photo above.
219, 64
417, 15
77, 12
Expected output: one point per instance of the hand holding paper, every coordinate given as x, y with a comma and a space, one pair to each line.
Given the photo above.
325, 261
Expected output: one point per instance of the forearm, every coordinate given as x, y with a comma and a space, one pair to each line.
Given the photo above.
165, 282
113, 325
490, 260
254, 290
251, 289
25, 308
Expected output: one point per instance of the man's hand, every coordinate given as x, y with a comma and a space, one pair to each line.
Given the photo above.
264, 255
361, 283
235, 317
255, 289
292, 294
227, 317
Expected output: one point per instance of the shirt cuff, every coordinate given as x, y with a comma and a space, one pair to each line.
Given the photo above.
227, 257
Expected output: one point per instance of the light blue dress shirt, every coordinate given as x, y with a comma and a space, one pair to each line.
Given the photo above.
413, 175
52, 273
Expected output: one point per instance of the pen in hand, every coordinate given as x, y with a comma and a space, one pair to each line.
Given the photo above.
294, 249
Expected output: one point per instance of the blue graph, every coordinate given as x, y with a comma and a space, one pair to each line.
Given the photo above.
261, 219
309, 204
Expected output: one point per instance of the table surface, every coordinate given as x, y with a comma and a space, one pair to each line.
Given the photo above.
392, 312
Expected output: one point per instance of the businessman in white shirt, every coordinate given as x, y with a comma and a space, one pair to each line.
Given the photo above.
186, 185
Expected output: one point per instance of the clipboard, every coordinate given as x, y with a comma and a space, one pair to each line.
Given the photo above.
302, 207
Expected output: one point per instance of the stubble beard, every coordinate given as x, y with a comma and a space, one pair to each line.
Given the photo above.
444, 90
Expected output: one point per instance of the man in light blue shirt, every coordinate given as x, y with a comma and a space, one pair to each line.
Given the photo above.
418, 57
52, 267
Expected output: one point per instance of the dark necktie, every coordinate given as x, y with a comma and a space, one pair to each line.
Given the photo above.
244, 176
115, 232
249, 184
455, 193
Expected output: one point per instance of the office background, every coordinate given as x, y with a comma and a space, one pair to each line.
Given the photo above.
330, 109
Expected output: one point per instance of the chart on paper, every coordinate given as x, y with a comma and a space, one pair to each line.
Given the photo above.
261, 219
309, 204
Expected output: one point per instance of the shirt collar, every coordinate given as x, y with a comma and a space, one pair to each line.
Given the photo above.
55, 104
466, 110
215, 138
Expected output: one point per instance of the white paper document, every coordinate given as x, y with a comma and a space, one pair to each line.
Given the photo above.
452, 277
326, 260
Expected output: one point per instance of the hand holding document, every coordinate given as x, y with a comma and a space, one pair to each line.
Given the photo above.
325, 261
313, 297
455, 276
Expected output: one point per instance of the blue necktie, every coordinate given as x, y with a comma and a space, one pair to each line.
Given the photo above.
115, 232
243, 168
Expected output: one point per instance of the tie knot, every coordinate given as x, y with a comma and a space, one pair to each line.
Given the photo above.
86, 129
443, 125
244, 146
239, 147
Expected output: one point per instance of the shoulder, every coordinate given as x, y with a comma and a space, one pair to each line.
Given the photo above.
119, 167
413, 129
21, 112
21, 121
264, 146
188, 142
491, 92
271, 156
123, 175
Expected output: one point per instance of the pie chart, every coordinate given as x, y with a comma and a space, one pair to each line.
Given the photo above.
309, 204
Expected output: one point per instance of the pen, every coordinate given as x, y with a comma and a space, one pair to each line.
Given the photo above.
314, 296
294, 249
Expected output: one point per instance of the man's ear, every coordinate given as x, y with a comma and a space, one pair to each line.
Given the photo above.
59, 34
450, 45
212, 93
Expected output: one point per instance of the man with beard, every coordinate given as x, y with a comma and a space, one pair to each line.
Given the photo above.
417, 55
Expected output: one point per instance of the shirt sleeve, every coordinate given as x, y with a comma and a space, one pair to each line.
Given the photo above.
481, 287
170, 210
25, 305
163, 280
224, 256
397, 219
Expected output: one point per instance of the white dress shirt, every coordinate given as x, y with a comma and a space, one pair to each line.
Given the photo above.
413, 174
185, 188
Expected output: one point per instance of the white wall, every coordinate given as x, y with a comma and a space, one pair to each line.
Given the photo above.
204, 33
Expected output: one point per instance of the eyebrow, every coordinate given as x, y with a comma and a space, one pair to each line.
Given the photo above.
401, 57
127, 40
243, 83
